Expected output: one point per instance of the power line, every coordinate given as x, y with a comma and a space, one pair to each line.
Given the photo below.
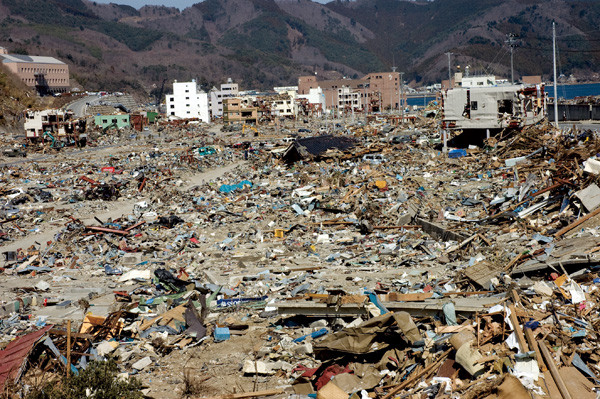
567, 40
563, 50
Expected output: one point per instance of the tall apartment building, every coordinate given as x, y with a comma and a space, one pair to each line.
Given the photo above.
187, 102
47, 75
228, 90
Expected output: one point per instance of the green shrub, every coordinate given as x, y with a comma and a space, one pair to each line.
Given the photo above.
98, 381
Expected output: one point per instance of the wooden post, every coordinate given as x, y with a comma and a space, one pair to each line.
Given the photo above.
554, 371
477, 319
534, 345
517, 329
68, 348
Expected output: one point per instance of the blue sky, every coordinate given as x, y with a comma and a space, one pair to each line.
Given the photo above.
181, 4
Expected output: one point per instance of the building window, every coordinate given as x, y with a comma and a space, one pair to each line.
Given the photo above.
104, 120
172, 106
474, 105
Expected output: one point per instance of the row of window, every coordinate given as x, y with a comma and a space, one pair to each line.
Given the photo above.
53, 81
43, 70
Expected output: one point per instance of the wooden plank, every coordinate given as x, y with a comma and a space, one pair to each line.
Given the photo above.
106, 230
484, 239
405, 226
517, 329
416, 376
554, 371
482, 273
513, 262
576, 223
68, 348
244, 395
415, 297
534, 345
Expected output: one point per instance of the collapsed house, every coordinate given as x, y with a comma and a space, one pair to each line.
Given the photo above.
314, 147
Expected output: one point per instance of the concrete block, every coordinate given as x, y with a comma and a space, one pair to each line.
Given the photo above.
142, 363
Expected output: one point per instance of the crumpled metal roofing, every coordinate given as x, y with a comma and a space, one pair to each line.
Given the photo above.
12, 358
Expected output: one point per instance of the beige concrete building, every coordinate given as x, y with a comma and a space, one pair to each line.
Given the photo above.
46, 74
236, 110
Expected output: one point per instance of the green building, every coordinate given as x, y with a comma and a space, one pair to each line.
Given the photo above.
121, 120
151, 116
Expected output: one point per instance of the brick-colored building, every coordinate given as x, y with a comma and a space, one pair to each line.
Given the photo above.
45, 74
377, 91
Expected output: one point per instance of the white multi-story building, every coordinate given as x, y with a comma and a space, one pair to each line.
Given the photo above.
187, 102
315, 96
228, 90
285, 105
348, 99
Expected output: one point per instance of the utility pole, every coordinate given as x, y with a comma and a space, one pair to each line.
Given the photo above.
554, 65
512, 43
392, 90
449, 70
401, 103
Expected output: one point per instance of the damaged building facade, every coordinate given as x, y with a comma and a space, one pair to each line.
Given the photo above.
374, 92
480, 104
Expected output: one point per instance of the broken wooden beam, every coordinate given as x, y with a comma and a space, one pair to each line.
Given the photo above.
245, 395
576, 223
562, 387
106, 230
87, 179
133, 226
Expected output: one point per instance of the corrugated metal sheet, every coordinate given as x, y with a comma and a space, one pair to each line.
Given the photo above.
12, 358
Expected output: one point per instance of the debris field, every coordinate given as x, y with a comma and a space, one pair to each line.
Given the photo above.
336, 266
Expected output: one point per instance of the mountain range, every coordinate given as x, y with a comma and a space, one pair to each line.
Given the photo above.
266, 43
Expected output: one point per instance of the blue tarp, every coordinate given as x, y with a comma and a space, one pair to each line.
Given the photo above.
227, 188
457, 153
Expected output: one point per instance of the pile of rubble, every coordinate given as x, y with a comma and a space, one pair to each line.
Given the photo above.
319, 271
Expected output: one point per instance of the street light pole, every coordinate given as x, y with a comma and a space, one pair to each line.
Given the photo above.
512, 44
449, 70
